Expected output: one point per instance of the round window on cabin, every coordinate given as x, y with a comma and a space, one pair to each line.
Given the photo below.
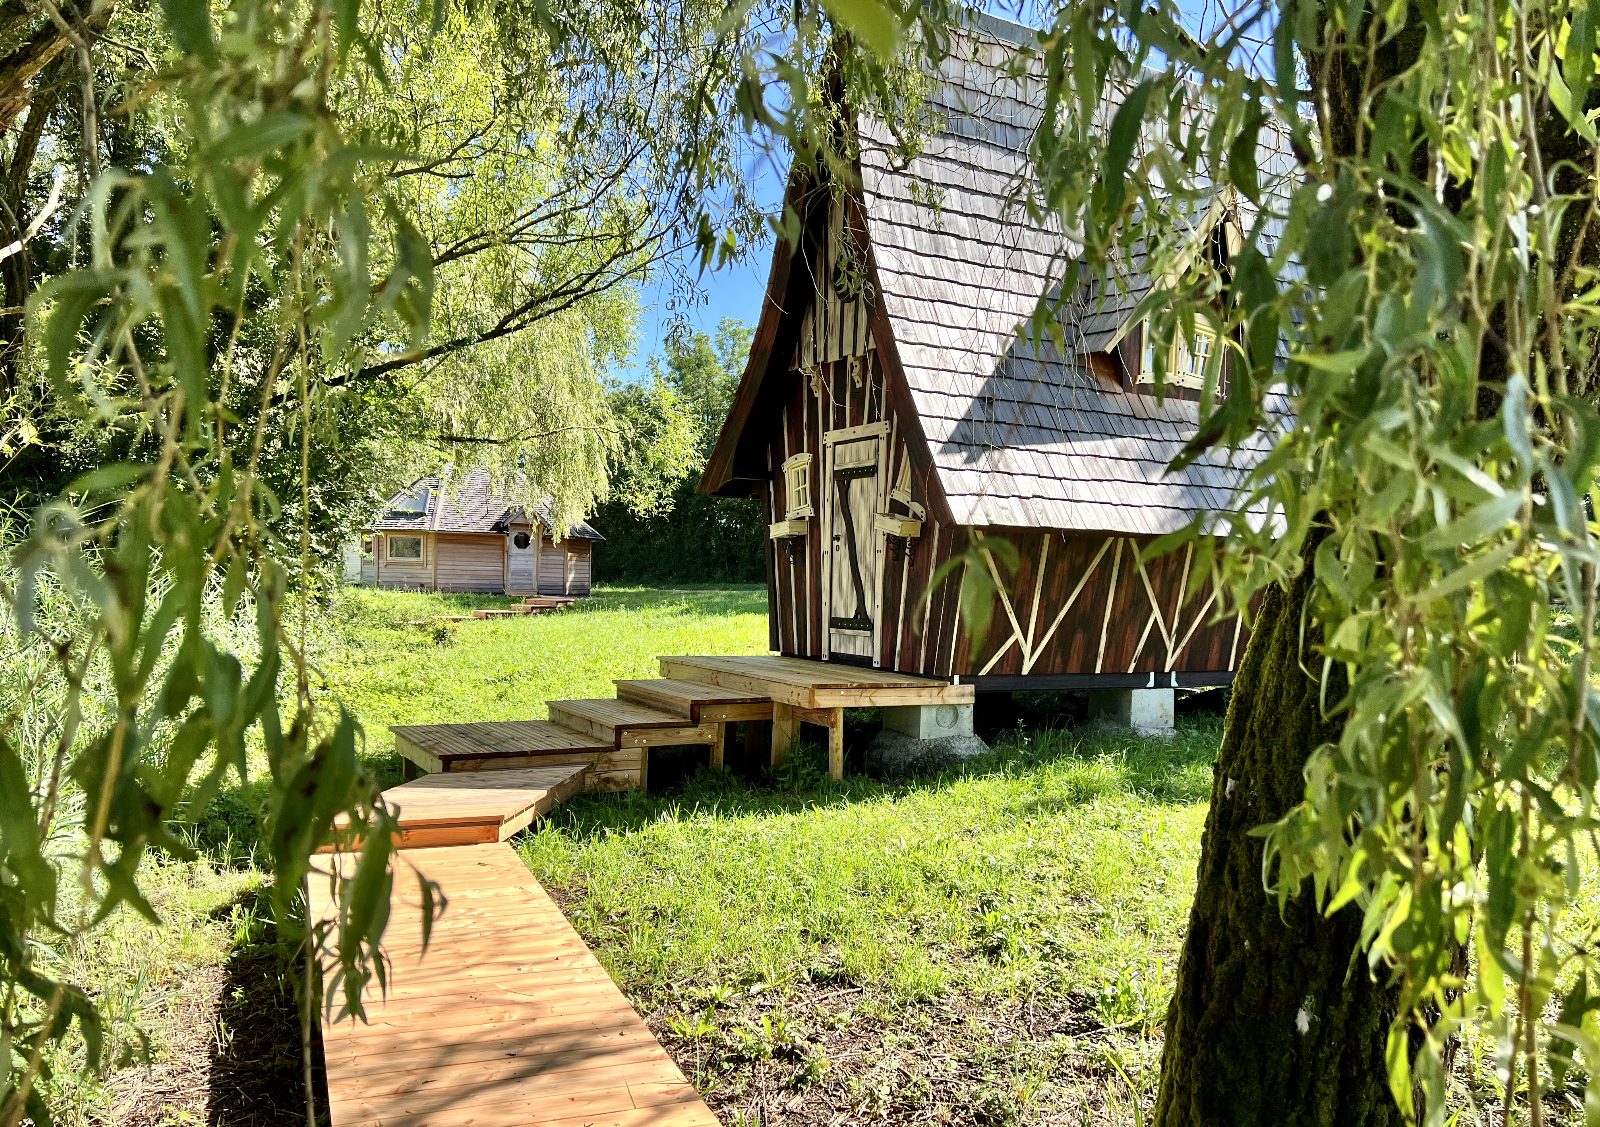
521, 540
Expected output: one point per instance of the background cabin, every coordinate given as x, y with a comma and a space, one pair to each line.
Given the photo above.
895, 413
463, 537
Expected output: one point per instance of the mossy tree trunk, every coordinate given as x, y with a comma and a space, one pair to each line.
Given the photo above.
1275, 1020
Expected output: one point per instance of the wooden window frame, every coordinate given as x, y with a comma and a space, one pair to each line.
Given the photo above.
798, 502
1179, 374
417, 560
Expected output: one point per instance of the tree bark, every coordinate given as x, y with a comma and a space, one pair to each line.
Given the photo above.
1276, 1020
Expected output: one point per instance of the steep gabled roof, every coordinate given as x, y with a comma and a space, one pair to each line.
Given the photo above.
465, 504
1021, 433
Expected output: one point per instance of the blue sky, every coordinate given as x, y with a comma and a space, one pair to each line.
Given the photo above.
733, 291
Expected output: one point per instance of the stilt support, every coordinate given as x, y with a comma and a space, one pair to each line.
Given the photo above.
836, 745
785, 727
719, 747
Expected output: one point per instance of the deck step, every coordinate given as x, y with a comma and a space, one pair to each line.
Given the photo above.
509, 612
548, 600
629, 724
697, 701
518, 743
476, 807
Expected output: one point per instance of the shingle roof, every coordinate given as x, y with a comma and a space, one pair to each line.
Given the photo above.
466, 504
1020, 432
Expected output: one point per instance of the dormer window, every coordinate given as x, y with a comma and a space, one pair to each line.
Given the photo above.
797, 487
413, 504
1186, 358
1187, 366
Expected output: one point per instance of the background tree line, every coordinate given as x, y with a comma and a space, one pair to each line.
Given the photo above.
658, 527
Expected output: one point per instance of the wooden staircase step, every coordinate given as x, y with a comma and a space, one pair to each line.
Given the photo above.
629, 724
697, 701
804, 683
475, 807
495, 745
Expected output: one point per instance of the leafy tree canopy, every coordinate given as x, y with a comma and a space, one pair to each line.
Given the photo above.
255, 251
657, 525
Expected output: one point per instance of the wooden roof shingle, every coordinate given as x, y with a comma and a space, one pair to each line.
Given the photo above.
466, 504
1020, 432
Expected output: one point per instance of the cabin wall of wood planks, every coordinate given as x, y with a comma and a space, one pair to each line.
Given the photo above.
477, 563
468, 562
1075, 604
565, 568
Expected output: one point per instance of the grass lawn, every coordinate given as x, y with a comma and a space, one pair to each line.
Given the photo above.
390, 672
994, 946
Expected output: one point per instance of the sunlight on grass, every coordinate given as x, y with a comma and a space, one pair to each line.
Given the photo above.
1062, 864
998, 943
390, 672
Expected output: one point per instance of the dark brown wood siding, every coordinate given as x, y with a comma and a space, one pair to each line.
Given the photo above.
1074, 604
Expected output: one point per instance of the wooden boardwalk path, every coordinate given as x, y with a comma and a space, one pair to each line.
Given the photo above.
506, 1019
476, 807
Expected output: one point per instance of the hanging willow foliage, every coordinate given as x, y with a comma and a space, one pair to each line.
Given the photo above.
269, 217
1416, 285
273, 248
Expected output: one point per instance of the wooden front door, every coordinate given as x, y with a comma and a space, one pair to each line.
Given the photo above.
854, 552
522, 550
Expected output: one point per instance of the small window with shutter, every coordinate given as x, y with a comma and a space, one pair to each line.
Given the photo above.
797, 487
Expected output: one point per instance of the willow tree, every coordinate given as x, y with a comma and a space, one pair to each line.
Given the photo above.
252, 233
1408, 773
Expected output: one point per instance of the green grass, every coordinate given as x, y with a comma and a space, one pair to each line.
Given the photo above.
390, 672
992, 946
1001, 939
1055, 876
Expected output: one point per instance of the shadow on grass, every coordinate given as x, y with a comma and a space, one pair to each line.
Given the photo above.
1074, 766
257, 1074
1083, 763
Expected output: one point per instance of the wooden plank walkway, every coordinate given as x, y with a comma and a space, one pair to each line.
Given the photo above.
507, 1019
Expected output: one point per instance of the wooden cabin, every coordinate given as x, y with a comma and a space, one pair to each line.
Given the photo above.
895, 412
461, 536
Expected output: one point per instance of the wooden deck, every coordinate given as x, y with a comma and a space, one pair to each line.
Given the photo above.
489, 746
803, 683
507, 1019
692, 704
